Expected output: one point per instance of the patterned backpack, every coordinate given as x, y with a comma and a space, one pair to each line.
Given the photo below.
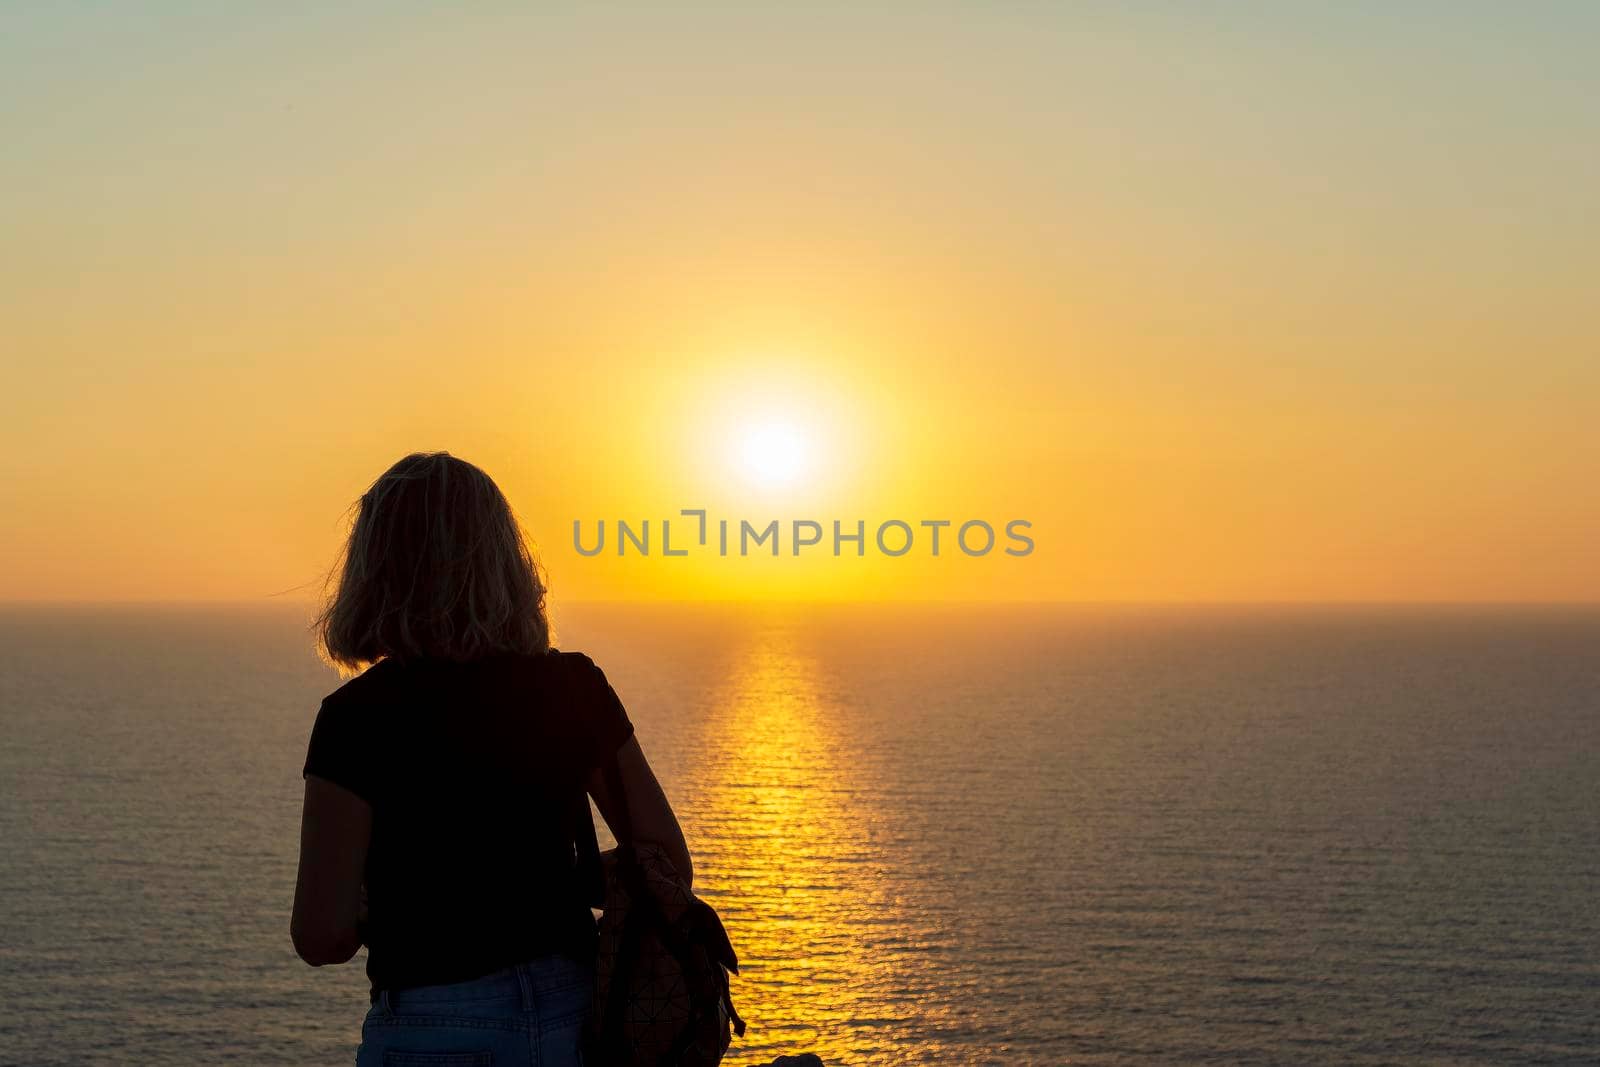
661, 976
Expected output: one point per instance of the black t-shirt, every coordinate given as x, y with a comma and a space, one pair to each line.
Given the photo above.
475, 773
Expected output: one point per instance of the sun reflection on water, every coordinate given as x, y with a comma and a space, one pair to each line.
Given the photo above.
783, 852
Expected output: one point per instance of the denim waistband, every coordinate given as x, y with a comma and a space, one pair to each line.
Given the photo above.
524, 982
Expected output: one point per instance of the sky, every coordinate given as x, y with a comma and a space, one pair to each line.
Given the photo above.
1229, 303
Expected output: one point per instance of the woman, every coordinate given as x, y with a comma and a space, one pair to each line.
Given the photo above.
443, 783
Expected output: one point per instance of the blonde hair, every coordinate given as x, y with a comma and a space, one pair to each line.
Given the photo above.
436, 567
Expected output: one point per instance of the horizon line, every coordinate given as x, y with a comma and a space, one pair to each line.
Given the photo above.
275, 600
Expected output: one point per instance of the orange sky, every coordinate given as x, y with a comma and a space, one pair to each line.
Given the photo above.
1288, 309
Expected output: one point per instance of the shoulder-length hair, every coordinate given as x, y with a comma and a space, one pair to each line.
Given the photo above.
436, 567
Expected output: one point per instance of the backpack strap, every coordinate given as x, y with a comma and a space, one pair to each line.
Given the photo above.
591, 871
612, 773
591, 875
586, 846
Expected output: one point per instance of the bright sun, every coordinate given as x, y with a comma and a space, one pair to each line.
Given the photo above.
773, 452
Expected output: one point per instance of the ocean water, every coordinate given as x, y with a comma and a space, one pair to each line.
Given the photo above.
937, 834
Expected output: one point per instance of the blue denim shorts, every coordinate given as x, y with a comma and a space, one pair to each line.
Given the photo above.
532, 1014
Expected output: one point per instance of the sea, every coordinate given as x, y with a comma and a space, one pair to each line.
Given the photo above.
938, 834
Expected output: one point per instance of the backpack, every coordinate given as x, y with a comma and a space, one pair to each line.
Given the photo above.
661, 972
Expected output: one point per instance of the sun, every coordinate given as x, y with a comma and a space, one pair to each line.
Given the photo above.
773, 452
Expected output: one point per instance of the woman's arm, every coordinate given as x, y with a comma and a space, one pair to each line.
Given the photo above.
648, 810
335, 829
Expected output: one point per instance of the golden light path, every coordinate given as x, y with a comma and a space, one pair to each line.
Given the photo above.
788, 862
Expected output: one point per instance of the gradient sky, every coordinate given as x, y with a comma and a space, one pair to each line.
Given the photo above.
1290, 302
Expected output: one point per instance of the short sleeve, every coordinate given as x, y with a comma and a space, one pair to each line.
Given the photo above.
608, 724
337, 752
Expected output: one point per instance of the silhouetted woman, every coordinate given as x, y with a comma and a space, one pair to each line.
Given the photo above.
441, 784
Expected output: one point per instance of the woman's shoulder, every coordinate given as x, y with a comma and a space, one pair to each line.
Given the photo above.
571, 658
363, 687
595, 704
576, 667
